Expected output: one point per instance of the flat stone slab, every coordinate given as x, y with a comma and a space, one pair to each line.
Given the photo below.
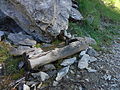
21, 39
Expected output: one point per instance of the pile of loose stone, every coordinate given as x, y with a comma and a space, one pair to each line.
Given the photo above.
49, 73
22, 43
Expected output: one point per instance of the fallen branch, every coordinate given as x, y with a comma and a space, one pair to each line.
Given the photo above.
56, 54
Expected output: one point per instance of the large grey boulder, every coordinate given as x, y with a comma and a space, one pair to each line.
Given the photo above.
44, 17
2, 15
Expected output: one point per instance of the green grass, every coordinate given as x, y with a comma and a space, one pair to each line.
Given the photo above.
11, 63
101, 20
11, 67
3, 52
94, 9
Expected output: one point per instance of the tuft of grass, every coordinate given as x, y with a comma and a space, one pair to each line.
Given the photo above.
11, 67
11, 63
97, 48
38, 45
4, 48
16, 76
56, 42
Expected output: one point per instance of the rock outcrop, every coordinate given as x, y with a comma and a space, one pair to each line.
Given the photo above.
2, 15
41, 18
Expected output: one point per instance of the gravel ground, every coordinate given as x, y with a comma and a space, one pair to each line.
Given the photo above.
107, 76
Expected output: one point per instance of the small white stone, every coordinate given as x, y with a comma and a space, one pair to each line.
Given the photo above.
1, 34
107, 77
0, 66
82, 53
75, 14
26, 87
67, 34
90, 51
91, 70
55, 83
49, 67
83, 62
41, 75
62, 73
87, 80
78, 76
44, 76
80, 88
72, 71
39, 86
69, 61
92, 59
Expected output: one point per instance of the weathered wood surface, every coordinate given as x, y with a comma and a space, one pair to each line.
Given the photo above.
39, 59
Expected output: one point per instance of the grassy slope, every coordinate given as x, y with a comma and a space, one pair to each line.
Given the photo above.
101, 20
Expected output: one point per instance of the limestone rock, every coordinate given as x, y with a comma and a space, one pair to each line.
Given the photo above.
75, 14
92, 52
107, 77
21, 64
69, 61
49, 67
86, 40
82, 53
55, 83
1, 69
52, 73
26, 87
21, 39
91, 70
2, 15
42, 75
92, 59
66, 34
40, 16
62, 73
20, 50
83, 62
